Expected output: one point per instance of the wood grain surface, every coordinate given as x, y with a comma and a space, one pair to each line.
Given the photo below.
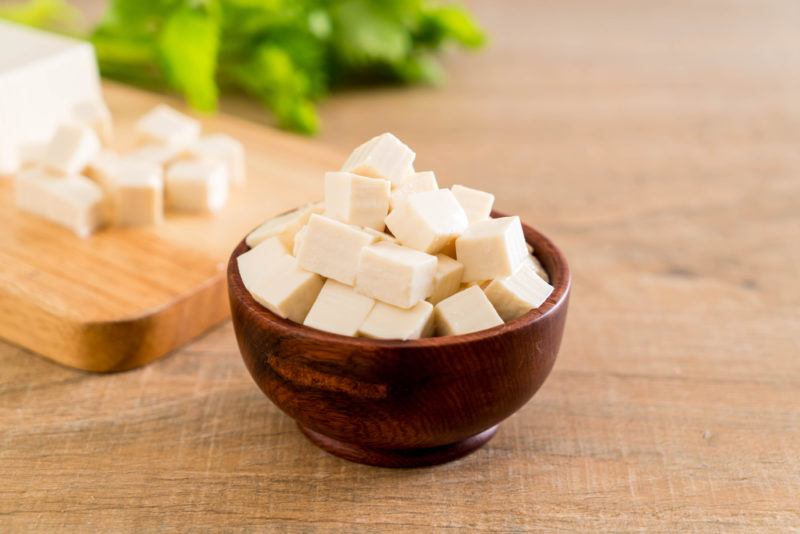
658, 144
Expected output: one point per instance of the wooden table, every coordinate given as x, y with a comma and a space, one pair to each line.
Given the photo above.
659, 144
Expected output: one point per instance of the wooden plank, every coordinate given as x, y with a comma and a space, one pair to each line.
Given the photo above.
127, 296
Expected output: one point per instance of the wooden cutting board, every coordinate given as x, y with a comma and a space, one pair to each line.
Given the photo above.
125, 297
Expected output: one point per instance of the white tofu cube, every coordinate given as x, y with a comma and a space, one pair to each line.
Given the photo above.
493, 248
164, 125
519, 293
384, 156
390, 322
138, 194
339, 309
396, 275
356, 199
447, 279
467, 311
71, 201
428, 221
419, 182
95, 115
283, 226
331, 248
276, 282
103, 168
477, 204
224, 148
161, 155
196, 186
71, 148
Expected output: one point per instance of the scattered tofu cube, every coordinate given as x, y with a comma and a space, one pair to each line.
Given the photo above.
161, 155
428, 221
357, 199
276, 282
467, 311
71, 148
284, 226
519, 293
493, 248
164, 125
384, 156
339, 309
390, 322
477, 204
332, 248
71, 201
447, 280
224, 148
95, 115
394, 274
196, 186
381, 236
138, 194
415, 183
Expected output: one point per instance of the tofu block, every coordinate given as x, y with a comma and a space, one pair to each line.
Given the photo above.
103, 168
381, 236
72, 147
94, 114
284, 226
447, 279
477, 204
467, 311
223, 148
493, 248
332, 248
74, 202
161, 155
415, 183
339, 309
42, 77
394, 274
276, 282
519, 293
384, 156
166, 126
390, 322
428, 221
196, 186
138, 194
357, 199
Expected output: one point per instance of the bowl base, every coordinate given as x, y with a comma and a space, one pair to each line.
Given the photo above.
400, 457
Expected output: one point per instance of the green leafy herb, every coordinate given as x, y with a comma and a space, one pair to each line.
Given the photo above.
286, 53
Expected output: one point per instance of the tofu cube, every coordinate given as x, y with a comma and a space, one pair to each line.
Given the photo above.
415, 183
339, 309
103, 168
467, 311
428, 221
519, 293
166, 126
74, 202
332, 248
447, 279
161, 155
95, 115
71, 148
284, 226
477, 204
356, 199
223, 148
390, 322
276, 282
394, 274
384, 156
493, 248
138, 194
196, 186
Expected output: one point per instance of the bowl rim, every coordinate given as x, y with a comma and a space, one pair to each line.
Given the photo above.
551, 257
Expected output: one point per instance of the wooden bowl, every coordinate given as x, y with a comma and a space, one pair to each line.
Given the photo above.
402, 403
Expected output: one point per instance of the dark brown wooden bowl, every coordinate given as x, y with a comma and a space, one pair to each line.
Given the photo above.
402, 403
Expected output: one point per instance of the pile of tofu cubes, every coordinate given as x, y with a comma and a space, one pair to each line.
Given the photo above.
78, 181
444, 267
